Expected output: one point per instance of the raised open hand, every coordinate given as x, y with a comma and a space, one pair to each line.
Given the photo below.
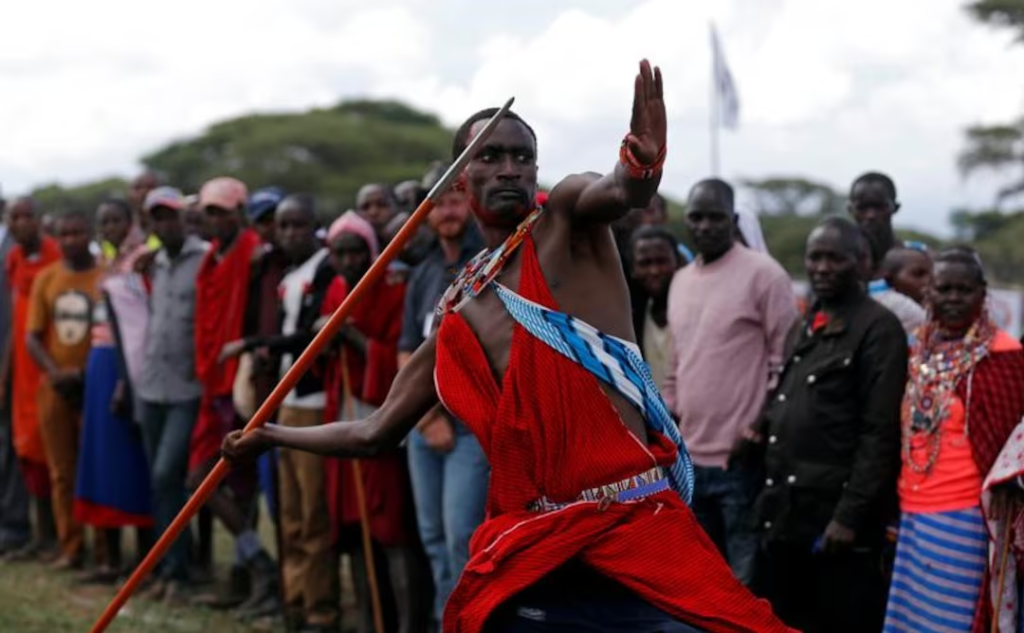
647, 128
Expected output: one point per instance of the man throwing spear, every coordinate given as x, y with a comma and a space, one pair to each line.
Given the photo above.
588, 524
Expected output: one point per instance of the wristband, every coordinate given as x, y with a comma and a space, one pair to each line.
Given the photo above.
636, 169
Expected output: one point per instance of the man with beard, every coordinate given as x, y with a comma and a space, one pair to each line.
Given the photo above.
588, 524
732, 303
829, 444
449, 469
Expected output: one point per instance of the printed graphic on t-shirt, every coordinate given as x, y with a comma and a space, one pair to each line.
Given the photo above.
72, 317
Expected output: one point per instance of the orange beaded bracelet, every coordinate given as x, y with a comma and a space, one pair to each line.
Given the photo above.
637, 170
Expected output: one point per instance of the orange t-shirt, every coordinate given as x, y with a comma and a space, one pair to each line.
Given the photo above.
21, 273
61, 310
954, 482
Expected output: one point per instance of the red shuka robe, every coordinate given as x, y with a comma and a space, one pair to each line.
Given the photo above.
385, 478
25, 373
549, 430
222, 290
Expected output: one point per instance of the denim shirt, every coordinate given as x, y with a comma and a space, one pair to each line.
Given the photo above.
169, 367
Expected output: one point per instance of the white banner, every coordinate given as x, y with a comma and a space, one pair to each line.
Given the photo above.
728, 99
1005, 308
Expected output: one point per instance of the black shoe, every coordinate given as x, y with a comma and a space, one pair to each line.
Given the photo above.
8, 547
264, 598
229, 595
320, 628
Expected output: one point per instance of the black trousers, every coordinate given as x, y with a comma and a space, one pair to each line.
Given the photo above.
823, 593
574, 598
15, 529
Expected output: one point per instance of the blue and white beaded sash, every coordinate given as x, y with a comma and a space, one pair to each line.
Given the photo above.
615, 362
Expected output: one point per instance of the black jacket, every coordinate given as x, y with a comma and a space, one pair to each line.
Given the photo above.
832, 428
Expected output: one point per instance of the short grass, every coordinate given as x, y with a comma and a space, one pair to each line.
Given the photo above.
34, 599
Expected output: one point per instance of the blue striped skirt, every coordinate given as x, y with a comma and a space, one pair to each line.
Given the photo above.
940, 567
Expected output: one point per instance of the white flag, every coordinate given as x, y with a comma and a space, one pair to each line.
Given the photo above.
727, 98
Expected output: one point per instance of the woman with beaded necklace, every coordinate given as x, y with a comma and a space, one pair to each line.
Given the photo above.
962, 456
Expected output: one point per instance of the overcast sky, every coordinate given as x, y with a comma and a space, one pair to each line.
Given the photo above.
828, 88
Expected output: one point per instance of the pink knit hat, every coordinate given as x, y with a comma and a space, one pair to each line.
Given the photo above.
352, 222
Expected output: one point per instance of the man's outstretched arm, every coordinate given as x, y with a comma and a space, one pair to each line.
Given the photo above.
411, 396
634, 180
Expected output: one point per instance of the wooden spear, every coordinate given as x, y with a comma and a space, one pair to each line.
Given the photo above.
273, 402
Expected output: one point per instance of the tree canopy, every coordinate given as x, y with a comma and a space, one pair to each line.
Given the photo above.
794, 196
1000, 13
331, 152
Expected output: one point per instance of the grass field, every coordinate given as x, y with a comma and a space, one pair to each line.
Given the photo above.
34, 599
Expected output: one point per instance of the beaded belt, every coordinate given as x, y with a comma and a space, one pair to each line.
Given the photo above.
632, 488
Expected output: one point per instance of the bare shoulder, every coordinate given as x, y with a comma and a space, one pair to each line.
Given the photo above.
565, 195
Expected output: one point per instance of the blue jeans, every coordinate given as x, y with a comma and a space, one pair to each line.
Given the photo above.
166, 433
450, 491
722, 500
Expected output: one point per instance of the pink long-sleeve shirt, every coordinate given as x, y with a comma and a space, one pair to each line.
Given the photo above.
729, 320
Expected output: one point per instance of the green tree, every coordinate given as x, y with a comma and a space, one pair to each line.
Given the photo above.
793, 196
999, 13
786, 236
329, 152
977, 226
58, 199
1001, 252
996, 234
997, 147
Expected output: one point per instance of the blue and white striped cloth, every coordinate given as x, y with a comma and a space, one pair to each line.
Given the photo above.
613, 361
940, 567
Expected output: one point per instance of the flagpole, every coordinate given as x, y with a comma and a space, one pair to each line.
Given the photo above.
715, 108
